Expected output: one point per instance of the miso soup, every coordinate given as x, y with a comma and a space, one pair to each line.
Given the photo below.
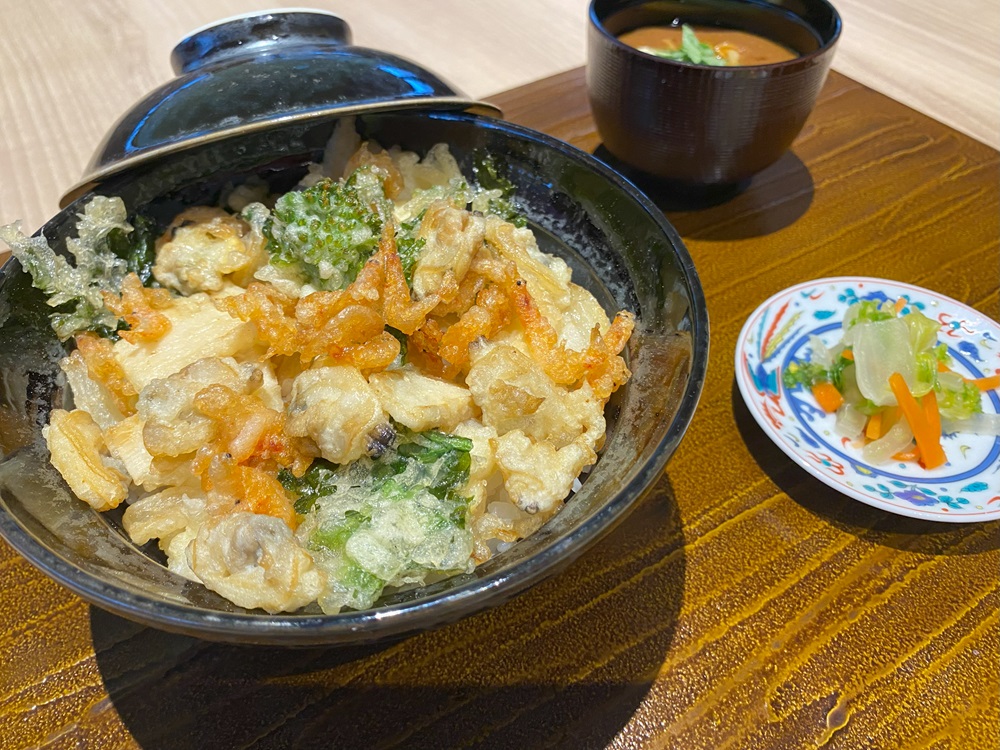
730, 46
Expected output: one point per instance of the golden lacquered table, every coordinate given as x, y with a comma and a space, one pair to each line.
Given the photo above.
743, 604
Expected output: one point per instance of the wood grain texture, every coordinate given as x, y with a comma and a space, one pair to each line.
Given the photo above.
742, 605
942, 62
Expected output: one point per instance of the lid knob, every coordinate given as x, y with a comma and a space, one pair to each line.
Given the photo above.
256, 32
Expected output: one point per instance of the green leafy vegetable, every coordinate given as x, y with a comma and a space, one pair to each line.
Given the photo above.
957, 399
894, 360
401, 358
137, 247
840, 364
923, 330
334, 536
489, 193
925, 374
692, 50
74, 290
487, 173
808, 374
805, 374
866, 311
391, 520
497, 189
318, 481
881, 348
106, 332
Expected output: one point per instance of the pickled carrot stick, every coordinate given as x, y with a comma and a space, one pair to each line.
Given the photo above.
985, 384
932, 414
873, 430
929, 444
827, 396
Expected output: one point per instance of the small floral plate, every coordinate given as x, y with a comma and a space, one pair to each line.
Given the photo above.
965, 489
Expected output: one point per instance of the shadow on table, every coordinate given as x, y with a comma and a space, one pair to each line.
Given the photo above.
565, 664
771, 201
853, 516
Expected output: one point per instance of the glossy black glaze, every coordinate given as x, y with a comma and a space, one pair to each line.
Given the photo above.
619, 245
252, 72
701, 126
255, 34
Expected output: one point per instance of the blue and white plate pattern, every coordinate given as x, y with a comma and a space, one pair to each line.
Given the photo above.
965, 489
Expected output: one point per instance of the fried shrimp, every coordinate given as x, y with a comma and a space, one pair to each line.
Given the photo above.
140, 308
373, 381
347, 325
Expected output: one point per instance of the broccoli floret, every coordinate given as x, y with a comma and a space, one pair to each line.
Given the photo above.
329, 230
409, 246
389, 520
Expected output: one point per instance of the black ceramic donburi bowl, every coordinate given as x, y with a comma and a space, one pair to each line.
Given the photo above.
620, 247
697, 125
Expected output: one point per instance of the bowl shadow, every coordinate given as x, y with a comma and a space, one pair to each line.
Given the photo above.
852, 516
771, 200
566, 664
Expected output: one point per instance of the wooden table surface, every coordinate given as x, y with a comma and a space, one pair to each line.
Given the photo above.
742, 605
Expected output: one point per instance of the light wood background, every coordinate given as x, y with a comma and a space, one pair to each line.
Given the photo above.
68, 69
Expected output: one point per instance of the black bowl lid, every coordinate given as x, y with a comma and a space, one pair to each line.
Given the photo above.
259, 71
